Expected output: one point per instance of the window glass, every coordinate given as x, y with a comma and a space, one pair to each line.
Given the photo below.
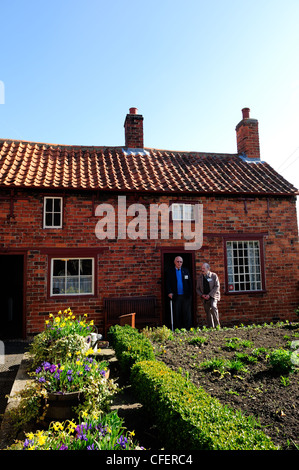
182, 211
52, 212
243, 266
72, 276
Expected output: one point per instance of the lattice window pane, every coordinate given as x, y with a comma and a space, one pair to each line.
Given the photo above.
72, 276
243, 265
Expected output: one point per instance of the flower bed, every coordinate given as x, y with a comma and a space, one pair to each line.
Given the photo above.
91, 432
62, 365
193, 419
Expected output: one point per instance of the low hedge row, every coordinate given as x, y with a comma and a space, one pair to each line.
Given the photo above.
130, 346
188, 418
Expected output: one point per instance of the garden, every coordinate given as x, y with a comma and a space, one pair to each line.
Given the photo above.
211, 389
66, 403
252, 369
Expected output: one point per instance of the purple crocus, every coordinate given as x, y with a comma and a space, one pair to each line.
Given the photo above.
52, 368
63, 447
122, 441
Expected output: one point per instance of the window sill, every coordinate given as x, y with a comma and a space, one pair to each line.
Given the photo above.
72, 296
254, 292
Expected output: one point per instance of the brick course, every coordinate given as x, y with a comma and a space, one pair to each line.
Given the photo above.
134, 267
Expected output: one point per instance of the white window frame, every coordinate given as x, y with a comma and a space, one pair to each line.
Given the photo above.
238, 271
186, 211
53, 212
66, 277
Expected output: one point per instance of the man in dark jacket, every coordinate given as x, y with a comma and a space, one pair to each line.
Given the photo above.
179, 290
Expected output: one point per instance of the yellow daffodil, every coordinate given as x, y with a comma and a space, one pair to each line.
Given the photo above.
71, 426
58, 426
132, 433
89, 351
57, 319
30, 436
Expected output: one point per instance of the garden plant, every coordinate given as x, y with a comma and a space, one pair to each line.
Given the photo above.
62, 362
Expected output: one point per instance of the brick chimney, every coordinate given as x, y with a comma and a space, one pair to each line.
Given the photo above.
134, 129
248, 136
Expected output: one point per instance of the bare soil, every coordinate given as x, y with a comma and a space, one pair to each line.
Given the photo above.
271, 397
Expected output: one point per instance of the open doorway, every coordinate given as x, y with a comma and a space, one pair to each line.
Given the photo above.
11, 295
168, 261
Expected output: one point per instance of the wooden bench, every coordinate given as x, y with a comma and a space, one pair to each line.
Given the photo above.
144, 308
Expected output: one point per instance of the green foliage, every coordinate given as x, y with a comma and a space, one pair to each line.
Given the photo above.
221, 365
31, 406
159, 334
280, 360
44, 348
237, 343
246, 358
193, 419
197, 340
130, 346
214, 364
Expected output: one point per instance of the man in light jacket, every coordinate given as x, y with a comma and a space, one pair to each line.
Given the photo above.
208, 287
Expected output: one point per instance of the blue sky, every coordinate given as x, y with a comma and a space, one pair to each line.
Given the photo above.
71, 69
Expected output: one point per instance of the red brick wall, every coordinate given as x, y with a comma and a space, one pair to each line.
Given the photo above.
133, 267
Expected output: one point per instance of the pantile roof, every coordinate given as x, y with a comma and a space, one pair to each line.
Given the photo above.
48, 166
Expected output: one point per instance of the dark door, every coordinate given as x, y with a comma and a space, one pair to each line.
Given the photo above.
168, 261
11, 296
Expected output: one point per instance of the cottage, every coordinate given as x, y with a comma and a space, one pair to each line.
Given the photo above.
59, 246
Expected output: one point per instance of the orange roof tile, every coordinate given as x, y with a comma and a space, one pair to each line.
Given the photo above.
48, 166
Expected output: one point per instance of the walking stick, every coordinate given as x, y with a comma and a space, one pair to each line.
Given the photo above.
171, 314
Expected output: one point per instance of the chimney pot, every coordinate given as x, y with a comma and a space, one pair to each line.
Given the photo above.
134, 129
246, 113
248, 136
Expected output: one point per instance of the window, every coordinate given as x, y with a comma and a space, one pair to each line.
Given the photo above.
182, 211
244, 268
72, 276
52, 212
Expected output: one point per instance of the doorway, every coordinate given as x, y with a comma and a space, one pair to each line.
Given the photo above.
167, 262
12, 296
